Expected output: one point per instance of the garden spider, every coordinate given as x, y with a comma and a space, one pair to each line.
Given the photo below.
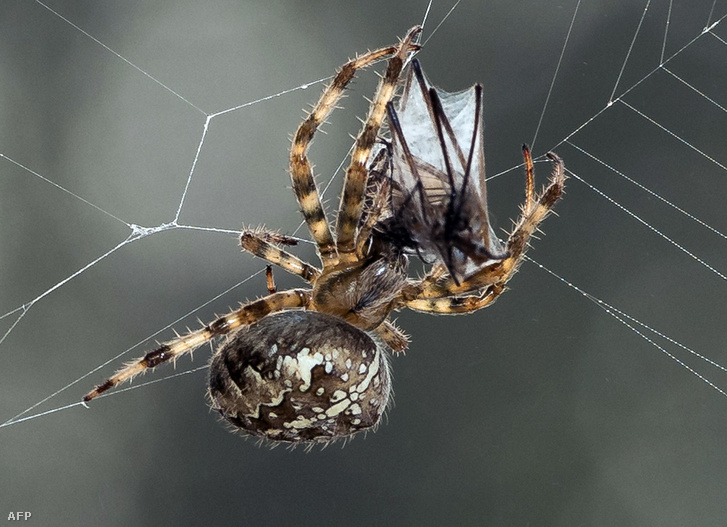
310, 365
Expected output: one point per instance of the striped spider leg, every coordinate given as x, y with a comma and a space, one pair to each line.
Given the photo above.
354, 185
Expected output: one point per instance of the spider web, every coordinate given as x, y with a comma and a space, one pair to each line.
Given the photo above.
136, 140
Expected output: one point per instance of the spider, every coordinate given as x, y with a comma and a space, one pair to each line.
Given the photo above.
310, 364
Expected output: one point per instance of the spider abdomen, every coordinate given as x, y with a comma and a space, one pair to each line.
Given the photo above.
300, 376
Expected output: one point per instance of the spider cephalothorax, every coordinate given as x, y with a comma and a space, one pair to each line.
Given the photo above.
310, 365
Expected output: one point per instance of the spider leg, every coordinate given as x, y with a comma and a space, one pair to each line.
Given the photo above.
256, 243
534, 211
395, 338
380, 200
354, 186
529, 180
457, 304
269, 280
172, 349
300, 169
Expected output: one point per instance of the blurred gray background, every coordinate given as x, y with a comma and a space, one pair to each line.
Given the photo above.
542, 410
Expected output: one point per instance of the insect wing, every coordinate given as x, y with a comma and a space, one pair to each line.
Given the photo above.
439, 167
